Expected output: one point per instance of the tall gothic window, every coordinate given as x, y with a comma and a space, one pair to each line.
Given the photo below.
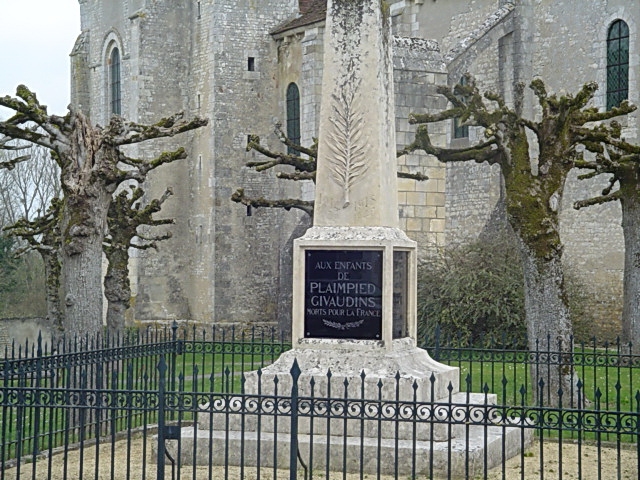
114, 82
617, 64
293, 116
460, 131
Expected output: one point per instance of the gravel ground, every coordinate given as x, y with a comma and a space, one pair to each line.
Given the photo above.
128, 461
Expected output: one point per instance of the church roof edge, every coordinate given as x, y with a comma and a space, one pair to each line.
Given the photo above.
311, 11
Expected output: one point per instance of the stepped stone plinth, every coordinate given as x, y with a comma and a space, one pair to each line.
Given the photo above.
348, 416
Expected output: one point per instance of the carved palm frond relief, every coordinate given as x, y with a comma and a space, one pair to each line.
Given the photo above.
346, 144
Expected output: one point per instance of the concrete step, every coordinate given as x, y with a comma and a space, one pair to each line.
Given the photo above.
475, 446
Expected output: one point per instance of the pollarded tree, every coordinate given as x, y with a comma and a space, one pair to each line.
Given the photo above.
126, 214
92, 165
533, 191
304, 163
621, 160
304, 168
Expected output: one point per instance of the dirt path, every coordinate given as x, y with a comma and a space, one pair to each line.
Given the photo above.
128, 460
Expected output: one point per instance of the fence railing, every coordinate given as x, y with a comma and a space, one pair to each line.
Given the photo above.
605, 370
176, 393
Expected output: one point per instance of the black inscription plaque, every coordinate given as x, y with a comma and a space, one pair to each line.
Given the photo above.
343, 294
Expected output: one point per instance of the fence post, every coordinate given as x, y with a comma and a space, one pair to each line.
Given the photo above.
174, 352
162, 370
37, 400
293, 453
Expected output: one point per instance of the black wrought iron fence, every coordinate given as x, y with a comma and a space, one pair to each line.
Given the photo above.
607, 371
179, 394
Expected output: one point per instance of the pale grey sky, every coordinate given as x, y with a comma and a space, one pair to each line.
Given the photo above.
36, 37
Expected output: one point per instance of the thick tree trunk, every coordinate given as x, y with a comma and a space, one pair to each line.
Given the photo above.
631, 303
117, 289
83, 231
549, 330
52, 271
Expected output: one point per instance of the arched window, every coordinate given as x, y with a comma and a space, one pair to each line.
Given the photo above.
617, 64
115, 94
460, 131
293, 116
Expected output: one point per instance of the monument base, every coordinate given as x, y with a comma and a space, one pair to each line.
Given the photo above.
361, 407
463, 456
359, 368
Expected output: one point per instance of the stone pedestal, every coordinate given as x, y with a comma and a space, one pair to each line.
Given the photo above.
453, 457
353, 283
361, 407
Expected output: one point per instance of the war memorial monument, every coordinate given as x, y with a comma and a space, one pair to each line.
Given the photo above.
354, 296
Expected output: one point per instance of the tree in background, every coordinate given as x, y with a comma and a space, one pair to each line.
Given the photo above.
26, 191
127, 213
8, 144
620, 159
304, 163
42, 234
304, 168
92, 165
8, 263
533, 192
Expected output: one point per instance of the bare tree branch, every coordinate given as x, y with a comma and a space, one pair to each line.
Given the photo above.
483, 152
122, 132
599, 200
287, 204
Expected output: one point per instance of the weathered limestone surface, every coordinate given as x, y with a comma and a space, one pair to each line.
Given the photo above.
356, 179
194, 56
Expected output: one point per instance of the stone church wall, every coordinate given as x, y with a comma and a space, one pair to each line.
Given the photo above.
418, 70
221, 264
242, 278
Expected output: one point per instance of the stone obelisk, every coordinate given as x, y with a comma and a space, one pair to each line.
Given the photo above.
344, 264
357, 167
